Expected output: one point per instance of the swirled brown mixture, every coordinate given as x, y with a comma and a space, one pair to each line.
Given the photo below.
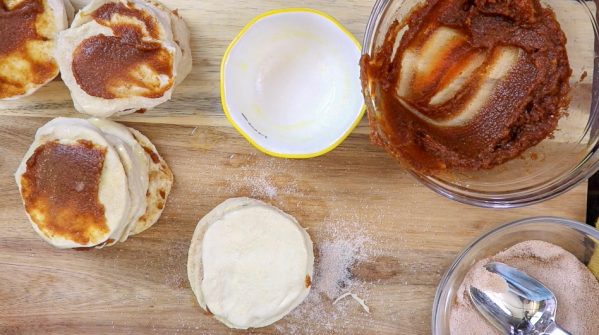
472, 84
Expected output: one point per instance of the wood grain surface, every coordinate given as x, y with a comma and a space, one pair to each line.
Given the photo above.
140, 286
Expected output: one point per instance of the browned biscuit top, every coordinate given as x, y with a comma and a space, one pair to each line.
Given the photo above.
126, 64
25, 46
60, 189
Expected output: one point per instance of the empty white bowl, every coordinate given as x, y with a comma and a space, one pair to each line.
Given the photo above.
290, 83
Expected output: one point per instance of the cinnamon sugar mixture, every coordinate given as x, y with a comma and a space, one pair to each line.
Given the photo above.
575, 287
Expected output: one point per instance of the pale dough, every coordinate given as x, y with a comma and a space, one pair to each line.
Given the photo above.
249, 263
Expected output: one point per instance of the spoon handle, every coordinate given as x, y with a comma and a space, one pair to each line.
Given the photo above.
554, 329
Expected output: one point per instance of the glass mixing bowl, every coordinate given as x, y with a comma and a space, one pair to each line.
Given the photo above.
579, 239
546, 170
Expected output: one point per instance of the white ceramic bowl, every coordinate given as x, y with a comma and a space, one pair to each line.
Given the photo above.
290, 83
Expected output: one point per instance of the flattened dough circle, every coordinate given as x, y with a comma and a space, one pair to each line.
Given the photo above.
249, 263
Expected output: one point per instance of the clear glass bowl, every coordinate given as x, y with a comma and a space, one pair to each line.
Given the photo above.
546, 170
579, 239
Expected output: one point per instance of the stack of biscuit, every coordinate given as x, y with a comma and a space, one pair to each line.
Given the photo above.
92, 183
121, 56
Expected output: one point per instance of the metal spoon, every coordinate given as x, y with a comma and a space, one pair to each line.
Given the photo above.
527, 308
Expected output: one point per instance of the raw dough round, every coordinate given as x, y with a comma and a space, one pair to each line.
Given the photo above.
249, 264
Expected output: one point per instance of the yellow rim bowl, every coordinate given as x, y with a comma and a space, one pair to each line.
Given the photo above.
290, 83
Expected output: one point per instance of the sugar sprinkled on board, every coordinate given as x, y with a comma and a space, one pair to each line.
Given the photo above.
260, 185
342, 245
258, 179
335, 259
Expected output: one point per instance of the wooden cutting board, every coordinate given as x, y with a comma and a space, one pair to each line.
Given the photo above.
140, 287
